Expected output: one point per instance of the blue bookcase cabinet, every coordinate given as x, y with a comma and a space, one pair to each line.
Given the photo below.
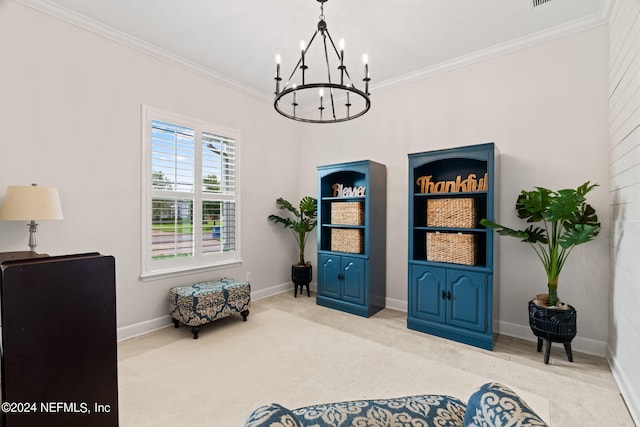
451, 265
352, 247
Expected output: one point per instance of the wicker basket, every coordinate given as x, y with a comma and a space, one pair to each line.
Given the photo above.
347, 240
452, 212
347, 213
456, 248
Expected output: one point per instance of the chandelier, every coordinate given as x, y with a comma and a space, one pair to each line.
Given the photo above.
305, 97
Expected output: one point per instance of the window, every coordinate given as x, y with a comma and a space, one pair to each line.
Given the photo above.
190, 206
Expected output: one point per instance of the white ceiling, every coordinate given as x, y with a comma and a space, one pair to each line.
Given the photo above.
238, 39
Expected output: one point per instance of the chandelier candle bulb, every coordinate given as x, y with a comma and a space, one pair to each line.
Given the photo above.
366, 79
342, 67
303, 67
278, 74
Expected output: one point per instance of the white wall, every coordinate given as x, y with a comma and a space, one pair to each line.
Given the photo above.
624, 336
546, 109
70, 117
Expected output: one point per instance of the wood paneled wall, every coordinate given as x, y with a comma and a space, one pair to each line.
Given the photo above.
624, 96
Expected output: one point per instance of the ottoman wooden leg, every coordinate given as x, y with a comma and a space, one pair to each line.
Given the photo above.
195, 330
244, 315
176, 323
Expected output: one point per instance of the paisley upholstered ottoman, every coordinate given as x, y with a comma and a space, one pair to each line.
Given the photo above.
205, 302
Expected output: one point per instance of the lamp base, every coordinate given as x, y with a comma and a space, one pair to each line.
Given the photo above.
33, 240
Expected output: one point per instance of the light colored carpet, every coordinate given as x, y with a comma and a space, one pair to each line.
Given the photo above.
237, 366
296, 353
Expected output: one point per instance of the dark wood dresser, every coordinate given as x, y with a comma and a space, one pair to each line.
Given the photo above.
59, 353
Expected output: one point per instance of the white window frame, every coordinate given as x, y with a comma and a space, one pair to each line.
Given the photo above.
157, 269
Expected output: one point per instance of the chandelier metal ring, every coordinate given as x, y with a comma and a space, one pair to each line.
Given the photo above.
313, 86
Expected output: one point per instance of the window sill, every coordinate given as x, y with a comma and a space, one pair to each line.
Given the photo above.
183, 271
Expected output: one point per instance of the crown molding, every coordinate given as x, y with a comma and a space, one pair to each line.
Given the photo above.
589, 22
141, 46
606, 7
56, 11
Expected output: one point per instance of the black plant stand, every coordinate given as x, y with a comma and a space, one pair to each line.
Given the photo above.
553, 325
301, 276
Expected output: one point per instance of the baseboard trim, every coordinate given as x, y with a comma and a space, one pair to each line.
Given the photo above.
271, 291
141, 328
580, 344
396, 304
629, 395
583, 345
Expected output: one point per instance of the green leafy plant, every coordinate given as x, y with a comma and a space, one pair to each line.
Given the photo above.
303, 221
567, 220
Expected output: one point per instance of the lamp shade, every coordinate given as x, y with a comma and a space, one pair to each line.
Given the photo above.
27, 203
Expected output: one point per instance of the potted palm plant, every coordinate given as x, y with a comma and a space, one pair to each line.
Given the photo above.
567, 221
301, 222
559, 221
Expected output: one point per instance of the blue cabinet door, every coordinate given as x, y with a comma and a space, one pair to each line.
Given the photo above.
425, 298
329, 276
468, 303
354, 279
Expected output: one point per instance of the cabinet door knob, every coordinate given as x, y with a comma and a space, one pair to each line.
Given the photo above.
444, 295
449, 295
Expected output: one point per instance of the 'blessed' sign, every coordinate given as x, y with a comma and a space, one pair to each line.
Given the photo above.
339, 190
471, 183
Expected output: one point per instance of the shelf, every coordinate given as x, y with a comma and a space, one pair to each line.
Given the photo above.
478, 268
344, 226
452, 230
344, 199
418, 247
449, 195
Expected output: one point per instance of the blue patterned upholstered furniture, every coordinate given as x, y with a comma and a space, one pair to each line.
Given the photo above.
205, 302
493, 405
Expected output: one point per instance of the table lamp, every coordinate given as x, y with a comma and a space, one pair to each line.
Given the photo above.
31, 203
